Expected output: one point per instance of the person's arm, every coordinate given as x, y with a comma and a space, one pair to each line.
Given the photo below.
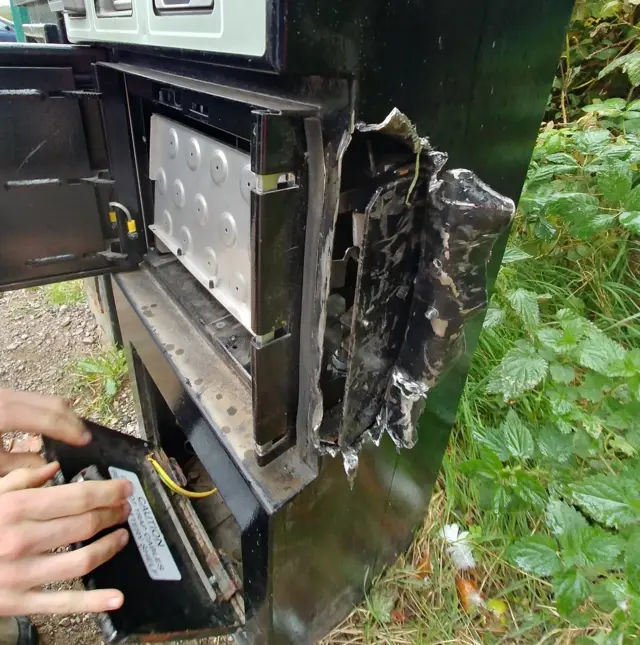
34, 520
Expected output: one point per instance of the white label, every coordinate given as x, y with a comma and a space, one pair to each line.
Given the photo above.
144, 527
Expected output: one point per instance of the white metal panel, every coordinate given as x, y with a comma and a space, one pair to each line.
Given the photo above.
202, 210
231, 27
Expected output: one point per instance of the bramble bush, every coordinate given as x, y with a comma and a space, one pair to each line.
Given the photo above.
549, 427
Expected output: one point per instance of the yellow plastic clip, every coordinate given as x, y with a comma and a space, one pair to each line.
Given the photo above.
171, 485
131, 226
113, 218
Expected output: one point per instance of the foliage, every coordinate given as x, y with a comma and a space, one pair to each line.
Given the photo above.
545, 464
99, 379
65, 293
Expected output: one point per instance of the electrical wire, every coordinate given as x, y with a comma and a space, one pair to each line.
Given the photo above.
171, 485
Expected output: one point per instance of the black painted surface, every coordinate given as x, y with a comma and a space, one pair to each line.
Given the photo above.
54, 222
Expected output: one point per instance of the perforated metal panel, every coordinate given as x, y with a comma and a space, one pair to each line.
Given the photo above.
202, 210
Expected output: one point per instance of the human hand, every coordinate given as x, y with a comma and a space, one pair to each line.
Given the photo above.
34, 521
39, 414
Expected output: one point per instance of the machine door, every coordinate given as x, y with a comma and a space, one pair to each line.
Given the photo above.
55, 178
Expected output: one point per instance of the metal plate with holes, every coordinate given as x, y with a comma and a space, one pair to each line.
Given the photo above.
202, 210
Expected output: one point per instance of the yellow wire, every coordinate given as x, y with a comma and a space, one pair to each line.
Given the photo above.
169, 483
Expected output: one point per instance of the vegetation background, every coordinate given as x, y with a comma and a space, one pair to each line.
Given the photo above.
534, 529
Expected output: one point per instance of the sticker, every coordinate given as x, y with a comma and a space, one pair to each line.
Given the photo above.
144, 527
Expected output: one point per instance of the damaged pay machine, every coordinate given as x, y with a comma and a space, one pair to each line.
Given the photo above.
294, 214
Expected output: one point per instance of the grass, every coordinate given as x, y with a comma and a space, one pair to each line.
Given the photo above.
98, 379
65, 293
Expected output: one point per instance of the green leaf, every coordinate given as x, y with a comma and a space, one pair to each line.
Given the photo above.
570, 589
553, 339
493, 439
111, 387
562, 518
592, 142
614, 181
593, 385
632, 200
544, 229
536, 555
601, 549
487, 467
89, 368
628, 367
573, 207
493, 318
517, 438
631, 221
609, 593
382, 600
632, 561
597, 352
529, 489
630, 64
562, 158
610, 500
514, 254
520, 370
553, 444
525, 304
562, 373
633, 71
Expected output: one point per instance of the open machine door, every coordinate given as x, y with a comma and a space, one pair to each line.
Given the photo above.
55, 219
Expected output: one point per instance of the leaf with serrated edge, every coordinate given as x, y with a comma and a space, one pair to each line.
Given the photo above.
536, 554
562, 518
493, 318
570, 589
614, 181
552, 338
525, 304
517, 438
553, 444
520, 370
607, 499
631, 220
597, 352
632, 200
600, 548
562, 373
514, 254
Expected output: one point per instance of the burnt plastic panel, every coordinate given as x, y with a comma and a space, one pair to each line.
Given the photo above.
54, 171
189, 608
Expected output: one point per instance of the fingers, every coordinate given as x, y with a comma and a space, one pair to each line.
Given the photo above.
32, 572
65, 500
26, 478
59, 602
41, 414
10, 461
30, 538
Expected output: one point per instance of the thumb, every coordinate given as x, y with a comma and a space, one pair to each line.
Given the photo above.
28, 478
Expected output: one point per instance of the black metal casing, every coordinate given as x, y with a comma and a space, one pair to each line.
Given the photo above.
245, 403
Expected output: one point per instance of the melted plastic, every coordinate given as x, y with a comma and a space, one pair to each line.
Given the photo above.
463, 219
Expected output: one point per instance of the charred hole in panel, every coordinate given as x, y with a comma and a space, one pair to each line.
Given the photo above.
371, 161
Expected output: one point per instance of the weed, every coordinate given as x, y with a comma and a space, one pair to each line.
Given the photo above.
65, 293
98, 380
